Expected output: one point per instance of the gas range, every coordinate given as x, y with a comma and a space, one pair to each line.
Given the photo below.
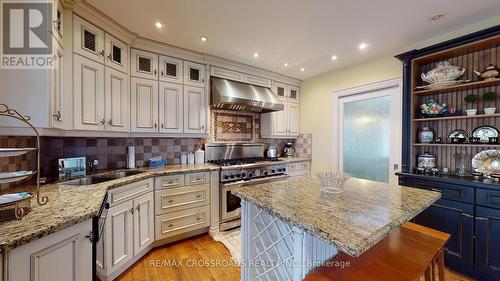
248, 168
241, 165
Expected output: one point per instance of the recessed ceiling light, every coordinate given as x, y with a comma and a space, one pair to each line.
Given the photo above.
363, 46
302, 69
204, 38
256, 55
436, 17
334, 57
285, 64
158, 24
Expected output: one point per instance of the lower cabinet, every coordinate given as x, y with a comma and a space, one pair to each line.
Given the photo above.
456, 219
488, 241
298, 169
182, 222
129, 227
64, 255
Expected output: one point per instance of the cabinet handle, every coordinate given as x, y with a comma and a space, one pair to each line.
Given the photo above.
154, 71
57, 116
467, 215
156, 125
203, 127
103, 121
162, 125
138, 208
481, 219
436, 190
198, 219
161, 73
131, 210
198, 196
170, 201
102, 53
109, 56
110, 122
170, 225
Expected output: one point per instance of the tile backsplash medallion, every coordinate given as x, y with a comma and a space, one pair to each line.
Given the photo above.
228, 126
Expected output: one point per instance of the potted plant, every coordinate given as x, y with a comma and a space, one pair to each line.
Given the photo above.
490, 98
471, 99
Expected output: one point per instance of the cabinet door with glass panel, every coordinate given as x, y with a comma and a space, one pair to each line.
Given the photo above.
171, 70
88, 40
116, 53
194, 74
143, 64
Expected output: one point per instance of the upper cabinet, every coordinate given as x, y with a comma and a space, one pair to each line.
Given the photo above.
144, 64
194, 74
144, 105
285, 123
88, 40
116, 53
195, 110
57, 21
240, 77
171, 107
171, 70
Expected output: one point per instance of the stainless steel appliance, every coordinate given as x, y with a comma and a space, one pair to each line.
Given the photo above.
227, 94
288, 150
241, 165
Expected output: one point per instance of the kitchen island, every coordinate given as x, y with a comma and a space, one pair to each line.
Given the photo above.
289, 227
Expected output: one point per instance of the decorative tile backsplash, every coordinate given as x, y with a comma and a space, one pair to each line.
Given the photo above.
303, 145
232, 127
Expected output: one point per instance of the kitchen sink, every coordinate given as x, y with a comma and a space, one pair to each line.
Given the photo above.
101, 178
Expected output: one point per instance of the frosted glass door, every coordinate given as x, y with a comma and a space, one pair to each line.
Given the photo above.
366, 138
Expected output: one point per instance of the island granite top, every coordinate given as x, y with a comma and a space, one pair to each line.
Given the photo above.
70, 205
354, 220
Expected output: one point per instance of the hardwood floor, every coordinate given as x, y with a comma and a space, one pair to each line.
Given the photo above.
181, 255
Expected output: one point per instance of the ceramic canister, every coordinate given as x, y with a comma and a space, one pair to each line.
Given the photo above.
426, 161
426, 135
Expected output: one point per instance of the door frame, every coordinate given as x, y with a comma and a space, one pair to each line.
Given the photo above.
337, 141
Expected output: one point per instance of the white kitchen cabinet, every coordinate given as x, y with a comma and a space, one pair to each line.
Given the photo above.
227, 74
56, 88
88, 94
259, 81
293, 118
64, 255
285, 123
144, 105
117, 100
118, 236
143, 64
171, 69
182, 222
116, 53
57, 21
144, 227
88, 40
194, 74
171, 97
195, 110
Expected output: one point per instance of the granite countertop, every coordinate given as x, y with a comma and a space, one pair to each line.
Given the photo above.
353, 221
294, 159
69, 205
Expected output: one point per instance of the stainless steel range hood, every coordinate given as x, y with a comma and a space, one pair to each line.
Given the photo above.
232, 95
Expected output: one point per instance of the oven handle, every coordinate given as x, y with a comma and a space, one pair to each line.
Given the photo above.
255, 181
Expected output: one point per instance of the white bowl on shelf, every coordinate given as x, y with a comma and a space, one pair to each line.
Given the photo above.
11, 152
14, 176
332, 182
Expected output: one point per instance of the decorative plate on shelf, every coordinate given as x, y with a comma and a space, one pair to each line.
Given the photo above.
459, 133
484, 133
11, 152
14, 176
440, 85
487, 162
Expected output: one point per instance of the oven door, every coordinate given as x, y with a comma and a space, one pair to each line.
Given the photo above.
231, 204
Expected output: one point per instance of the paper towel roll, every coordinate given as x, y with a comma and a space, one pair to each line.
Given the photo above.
131, 157
199, 156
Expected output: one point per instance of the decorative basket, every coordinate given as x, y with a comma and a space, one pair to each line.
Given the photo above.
16, 209
332, 182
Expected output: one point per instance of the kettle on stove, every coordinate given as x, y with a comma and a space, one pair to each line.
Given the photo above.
288, 150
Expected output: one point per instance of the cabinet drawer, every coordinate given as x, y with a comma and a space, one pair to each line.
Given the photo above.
127, 192
197, 178
176, 199
176, 223
488, 197
169, 181
298, 166
448, 191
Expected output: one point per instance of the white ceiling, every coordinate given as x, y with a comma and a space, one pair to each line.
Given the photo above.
304, 33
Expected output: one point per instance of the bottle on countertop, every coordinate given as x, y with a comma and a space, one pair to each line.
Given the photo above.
190, 158
183, 158
199, 156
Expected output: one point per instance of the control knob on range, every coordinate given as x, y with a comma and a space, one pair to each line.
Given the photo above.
232, 176
226, 177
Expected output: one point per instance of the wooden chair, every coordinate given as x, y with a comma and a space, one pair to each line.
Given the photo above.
405, 254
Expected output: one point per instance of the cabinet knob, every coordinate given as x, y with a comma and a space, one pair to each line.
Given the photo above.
198, 219
109, 56
198, 196
103, 121
156, 125
102, 53
162, 125
161, 73
170, 201
170, 225
138, 208
110, 122
154, 71
131, 210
